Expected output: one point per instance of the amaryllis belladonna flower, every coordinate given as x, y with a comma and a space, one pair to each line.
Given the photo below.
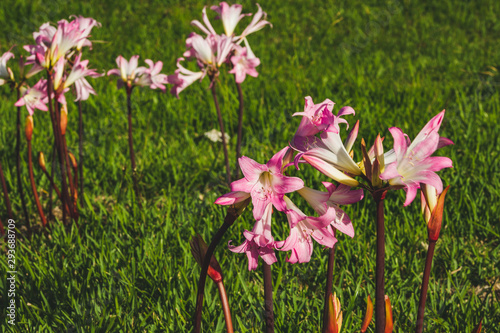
5, 72
264, 183
414, 164
35, 97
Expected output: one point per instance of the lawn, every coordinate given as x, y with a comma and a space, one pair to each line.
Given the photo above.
126, 269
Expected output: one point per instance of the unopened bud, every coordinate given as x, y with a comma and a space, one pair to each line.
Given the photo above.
434, 224
73, 160
64, 119
28, 129
334, 319
388, 315
198, 250
41, 161
479, 327
368, 315
366, 160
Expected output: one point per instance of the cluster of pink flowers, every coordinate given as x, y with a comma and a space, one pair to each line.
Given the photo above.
214, 50
57, 50
317, 142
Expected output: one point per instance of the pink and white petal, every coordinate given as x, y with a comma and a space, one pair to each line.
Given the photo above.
324, 237
242, 185
330, 171
276, 162
259, 206
443, 142
251, 169
390, 172
411, 193
400, 145
231, 198
282, 184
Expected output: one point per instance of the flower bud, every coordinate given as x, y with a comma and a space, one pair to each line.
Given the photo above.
28, 129
479, 326
198, 250
368, 315
388, 315
434, 224
334, 320
64, 119
73, 160
41, 161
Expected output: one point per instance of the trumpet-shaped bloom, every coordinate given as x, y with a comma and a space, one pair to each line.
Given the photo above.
265, 183
85, 25
244, 62
211, 51
128, 71
183, 78
230, 16
322, 202
316, 117
259, 241
5, 72
77, 76
155, 79
303, 229
35, 97
328, 155
414, 164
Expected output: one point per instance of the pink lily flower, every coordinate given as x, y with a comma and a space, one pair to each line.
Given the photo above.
230, 16
302, 230
67, 37
211, 51
244, 62
155, 79
259, 241
322, 202
316, 117
256, 23
35, 97
328, 155
265, 183
128, 71
182, 78
77, 76
5, 72
414, 164
85, 25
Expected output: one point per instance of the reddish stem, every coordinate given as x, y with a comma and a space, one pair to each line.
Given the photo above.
221, 125
425, 285
329, 285
380, 264
240, 127
5, 193
268, 298
33, 186
18, 163
80, 150
225, 307
57, 137
131, 147
228, 221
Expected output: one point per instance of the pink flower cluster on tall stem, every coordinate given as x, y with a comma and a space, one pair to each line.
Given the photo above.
214, 50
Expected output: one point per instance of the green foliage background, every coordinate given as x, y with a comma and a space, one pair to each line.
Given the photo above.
396, 63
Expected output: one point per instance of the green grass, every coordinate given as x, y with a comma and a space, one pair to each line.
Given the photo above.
396, 64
